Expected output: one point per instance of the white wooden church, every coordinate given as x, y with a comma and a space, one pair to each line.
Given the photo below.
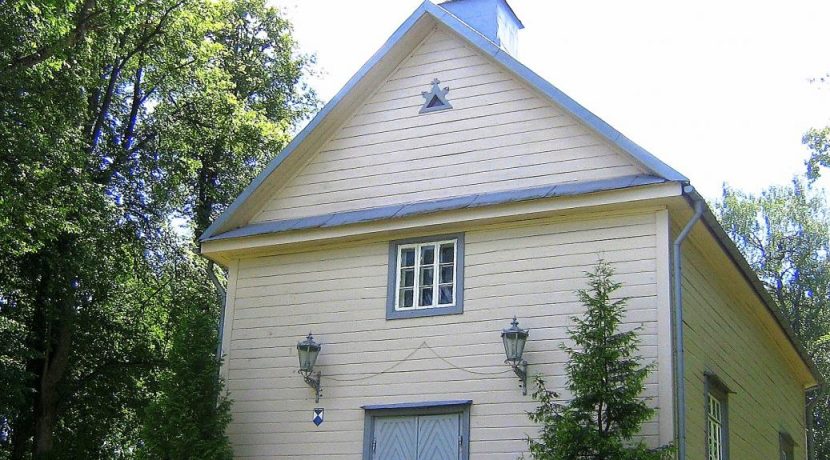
446, 189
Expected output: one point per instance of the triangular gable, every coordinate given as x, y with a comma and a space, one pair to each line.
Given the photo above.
403, 41
447, 122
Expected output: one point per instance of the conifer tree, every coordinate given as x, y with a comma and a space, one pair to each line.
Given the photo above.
605, 380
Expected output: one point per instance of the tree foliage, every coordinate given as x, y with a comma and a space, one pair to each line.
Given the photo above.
605, 380
784, 233
818, 141
189, 389
125, 128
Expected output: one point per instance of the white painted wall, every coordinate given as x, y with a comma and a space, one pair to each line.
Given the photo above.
725, 334
528, 268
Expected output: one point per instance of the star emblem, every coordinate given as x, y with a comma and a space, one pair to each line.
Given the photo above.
436, 98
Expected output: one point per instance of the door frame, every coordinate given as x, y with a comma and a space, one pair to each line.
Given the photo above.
461, 407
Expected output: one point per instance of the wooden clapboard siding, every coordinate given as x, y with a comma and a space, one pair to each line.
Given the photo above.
499, 135
724, 335
529, 269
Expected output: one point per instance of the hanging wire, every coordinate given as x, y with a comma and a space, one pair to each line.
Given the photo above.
423, 344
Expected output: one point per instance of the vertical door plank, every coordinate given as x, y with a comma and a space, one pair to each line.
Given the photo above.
438, 437
396, 438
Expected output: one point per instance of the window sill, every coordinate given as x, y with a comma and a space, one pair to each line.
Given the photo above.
423, 312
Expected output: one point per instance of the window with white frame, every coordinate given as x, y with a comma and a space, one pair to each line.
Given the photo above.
716, 419
715, 425
425, 277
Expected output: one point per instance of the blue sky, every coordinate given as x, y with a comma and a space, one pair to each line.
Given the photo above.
717, 89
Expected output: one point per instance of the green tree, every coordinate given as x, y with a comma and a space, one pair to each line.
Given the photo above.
234, 113
188, 419
117, 121
784, 233
605, 380
818, 141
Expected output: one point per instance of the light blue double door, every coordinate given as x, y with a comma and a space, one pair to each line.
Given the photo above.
417, 437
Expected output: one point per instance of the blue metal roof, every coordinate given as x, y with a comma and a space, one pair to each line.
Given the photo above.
447, 6
494, 19
442, 16
397, 211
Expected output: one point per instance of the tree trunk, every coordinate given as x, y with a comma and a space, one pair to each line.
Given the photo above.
52, 340
20, 437
55, 367
54, 371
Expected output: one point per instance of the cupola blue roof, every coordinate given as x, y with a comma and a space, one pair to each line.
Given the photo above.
494, 19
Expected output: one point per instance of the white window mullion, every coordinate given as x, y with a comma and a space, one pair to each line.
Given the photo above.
436, 272
416, 291
398, 278
715, 422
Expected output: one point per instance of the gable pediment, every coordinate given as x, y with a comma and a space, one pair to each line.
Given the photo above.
497, 135
503, 128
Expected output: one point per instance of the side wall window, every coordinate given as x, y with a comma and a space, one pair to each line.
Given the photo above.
786, 446
426, 277
427, 430
717, 418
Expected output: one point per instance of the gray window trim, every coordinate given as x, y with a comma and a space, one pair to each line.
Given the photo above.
716, 387
456, 309
417, 405
414, 409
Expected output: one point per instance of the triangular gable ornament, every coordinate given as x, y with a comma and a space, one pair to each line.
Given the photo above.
435, 99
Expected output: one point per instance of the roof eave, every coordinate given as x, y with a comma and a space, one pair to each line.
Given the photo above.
456, 203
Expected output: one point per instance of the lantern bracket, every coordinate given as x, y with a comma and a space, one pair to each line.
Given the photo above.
313, 380
520, 369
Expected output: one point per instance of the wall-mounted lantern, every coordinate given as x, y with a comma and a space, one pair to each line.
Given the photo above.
307, 351
514, 339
